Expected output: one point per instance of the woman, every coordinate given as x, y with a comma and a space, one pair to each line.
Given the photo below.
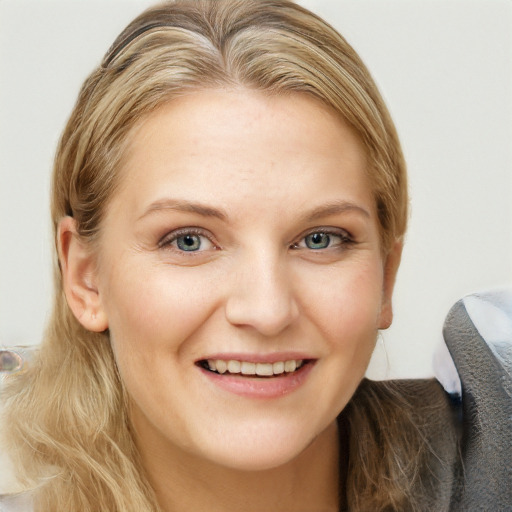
229, 202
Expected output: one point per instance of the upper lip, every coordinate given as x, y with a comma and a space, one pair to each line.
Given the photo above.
273, 357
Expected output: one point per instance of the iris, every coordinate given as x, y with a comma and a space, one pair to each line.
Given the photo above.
189, 242
317, 241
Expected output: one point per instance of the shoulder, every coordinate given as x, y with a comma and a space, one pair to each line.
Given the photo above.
436, 419
16, 503
415, 427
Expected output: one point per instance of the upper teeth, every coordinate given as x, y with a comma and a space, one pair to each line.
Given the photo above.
261, 369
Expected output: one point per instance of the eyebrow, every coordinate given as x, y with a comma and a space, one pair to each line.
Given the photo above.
335, 208
184, 206
326, 210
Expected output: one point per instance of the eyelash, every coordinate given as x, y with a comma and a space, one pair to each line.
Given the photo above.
345, 239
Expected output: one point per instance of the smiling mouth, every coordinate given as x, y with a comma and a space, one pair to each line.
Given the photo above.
250, 369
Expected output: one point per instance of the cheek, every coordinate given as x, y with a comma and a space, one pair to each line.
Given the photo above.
346, 302
155, 309
153, 315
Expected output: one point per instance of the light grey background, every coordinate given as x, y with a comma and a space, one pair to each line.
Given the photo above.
445, 69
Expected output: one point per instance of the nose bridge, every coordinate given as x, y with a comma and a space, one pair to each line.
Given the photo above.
261, 293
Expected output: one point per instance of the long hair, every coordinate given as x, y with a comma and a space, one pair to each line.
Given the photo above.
66, 419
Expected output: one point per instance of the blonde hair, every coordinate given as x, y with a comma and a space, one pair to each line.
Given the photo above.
67, 419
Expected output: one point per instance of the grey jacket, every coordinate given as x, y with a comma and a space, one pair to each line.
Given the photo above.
478, 333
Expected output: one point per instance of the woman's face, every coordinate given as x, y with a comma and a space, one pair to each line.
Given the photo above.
244, 238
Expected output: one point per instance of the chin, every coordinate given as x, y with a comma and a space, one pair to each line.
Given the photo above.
257, 460
260, 447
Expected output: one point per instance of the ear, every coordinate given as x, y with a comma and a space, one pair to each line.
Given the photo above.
79, 277
391, 265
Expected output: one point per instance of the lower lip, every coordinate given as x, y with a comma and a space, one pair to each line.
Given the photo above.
264, 387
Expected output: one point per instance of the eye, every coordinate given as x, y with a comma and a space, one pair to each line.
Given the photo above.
323, 239
317, 240
187, 241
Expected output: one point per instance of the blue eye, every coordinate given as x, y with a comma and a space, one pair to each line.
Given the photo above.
324, 239
317, 240
189, 242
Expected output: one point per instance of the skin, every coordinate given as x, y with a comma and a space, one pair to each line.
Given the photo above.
266, 171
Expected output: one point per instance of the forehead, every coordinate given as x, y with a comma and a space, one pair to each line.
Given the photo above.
220, 145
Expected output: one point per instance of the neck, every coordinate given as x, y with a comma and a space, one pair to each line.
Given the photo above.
184, 483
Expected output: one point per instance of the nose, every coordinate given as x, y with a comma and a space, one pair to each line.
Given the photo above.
261, 296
